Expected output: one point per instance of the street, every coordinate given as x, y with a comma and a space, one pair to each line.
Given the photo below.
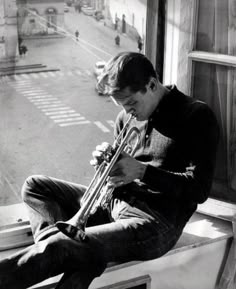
52, 121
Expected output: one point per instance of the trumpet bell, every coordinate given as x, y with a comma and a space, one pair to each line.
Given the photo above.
74, 232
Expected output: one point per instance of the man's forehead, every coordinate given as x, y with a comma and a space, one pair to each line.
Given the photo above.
123, 94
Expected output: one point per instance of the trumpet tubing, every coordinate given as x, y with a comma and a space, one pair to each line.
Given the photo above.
97, 193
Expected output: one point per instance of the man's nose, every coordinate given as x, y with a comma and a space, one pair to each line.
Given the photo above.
128, 109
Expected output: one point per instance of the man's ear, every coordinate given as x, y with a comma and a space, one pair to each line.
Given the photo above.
152, 83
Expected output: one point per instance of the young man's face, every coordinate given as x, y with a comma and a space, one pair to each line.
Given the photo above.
140, 103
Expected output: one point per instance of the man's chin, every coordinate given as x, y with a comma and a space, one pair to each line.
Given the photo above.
140, 118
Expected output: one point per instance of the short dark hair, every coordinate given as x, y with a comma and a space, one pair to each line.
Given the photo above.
127, 69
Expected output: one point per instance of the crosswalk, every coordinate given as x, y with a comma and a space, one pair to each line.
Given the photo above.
48, 74
60, 113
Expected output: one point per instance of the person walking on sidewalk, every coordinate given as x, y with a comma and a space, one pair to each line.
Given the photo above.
77, 35
140, 44
117, 40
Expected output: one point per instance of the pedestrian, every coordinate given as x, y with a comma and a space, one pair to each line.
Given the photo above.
77, 35
24, 50
156, 190
140, 44
116, 23
117, 40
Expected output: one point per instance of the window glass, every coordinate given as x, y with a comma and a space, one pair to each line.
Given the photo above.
52, 116
216, 26
215, 85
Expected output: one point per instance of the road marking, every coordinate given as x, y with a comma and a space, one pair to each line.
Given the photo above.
111, 123
34, 94
56, 108
78, 72
42, 101
69, 73
40, 96
51, 73
17, 77
44, 74
56, 112
88, 72
33, 91
50, 105
69, 119
74, 123
34, 75
60, 73
25, 76
21, 84
45, 103
101, 126
64, 115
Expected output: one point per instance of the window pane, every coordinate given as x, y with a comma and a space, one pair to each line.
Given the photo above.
216, 26
52, 117
215, 85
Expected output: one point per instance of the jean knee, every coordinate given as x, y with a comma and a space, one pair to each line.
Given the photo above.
30, 185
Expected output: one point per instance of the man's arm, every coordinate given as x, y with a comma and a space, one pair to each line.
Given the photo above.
195, 182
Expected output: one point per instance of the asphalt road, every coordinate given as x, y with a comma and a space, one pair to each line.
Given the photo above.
51, 122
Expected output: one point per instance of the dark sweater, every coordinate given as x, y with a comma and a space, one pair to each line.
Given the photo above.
178, 144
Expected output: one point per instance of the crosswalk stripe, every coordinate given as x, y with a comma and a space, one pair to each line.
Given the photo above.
78, 72
56, 108
33, 91
42, 100
111, 123
51, 73
50, 105
40, 96
32, 94
64, 115
43, 74
35, 76
60, 73
69, 73
88, 72
17, 77
74, 123
21, 84
69, 119
47, 103
56, 112
25, 76
101, 126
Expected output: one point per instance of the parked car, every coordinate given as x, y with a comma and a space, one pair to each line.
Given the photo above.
98, 68
88, 10
98, 15
66, 8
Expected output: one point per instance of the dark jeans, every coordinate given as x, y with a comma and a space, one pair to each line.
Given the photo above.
128, 230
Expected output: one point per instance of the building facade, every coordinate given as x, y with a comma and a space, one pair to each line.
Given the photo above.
40, 17
8, 31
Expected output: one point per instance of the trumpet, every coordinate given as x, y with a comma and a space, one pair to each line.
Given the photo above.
99, 193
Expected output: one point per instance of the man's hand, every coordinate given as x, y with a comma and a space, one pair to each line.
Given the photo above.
100, 153
126, 170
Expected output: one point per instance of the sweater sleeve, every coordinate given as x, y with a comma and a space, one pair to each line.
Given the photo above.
195, 182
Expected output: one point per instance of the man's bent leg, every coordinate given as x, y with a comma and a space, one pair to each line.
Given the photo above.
49, 200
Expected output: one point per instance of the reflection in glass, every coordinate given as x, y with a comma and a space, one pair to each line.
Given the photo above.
216, 26
215, 85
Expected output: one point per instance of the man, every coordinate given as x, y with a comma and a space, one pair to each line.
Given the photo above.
156, 192
77, 35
